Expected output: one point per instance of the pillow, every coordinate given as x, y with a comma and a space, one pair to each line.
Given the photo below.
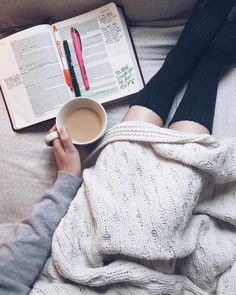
29, 12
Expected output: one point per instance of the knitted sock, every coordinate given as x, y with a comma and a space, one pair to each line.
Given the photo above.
206, 20
198, 103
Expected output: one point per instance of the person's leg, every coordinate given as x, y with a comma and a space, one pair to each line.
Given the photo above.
189, 126
196, 110
206, 20
140, 113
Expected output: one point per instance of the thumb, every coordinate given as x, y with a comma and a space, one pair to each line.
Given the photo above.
66, 139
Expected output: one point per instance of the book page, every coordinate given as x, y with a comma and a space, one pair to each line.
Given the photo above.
108, 54
31, 76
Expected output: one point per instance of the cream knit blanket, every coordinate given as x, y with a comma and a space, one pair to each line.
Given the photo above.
156, 214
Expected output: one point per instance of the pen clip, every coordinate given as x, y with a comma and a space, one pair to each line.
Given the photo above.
78, 35
67, 51
59, 48
80, 41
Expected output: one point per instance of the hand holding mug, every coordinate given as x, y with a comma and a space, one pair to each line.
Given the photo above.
66, 155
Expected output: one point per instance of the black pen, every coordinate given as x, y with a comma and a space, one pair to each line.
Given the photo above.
71, 68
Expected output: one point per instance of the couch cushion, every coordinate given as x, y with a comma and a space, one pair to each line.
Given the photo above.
26, 12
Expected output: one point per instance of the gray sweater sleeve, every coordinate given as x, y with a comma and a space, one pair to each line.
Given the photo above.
24, 254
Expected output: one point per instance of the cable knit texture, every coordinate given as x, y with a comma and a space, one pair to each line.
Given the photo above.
156, 214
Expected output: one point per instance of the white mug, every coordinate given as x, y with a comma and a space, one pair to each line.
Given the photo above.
71, 106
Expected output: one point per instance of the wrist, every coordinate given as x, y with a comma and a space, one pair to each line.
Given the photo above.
77, 175
75, 171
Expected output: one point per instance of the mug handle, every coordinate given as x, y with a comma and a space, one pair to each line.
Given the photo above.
50, 137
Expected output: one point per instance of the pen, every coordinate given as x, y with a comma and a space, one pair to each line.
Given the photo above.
71, 68
66, 71
78, 49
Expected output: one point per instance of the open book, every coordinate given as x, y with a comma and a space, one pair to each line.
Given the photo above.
31, 65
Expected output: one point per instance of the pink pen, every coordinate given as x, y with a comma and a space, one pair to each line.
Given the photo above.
78, 50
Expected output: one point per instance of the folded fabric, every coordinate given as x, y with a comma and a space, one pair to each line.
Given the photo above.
156, 214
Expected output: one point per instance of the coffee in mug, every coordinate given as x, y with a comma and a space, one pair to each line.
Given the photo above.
84, 118
84, 124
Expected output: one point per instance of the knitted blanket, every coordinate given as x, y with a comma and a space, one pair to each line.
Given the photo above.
156, 214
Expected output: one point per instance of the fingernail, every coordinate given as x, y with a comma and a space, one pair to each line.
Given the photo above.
63, 129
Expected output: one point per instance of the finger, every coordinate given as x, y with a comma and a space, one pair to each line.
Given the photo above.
57, 146
53, 128
66, 139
